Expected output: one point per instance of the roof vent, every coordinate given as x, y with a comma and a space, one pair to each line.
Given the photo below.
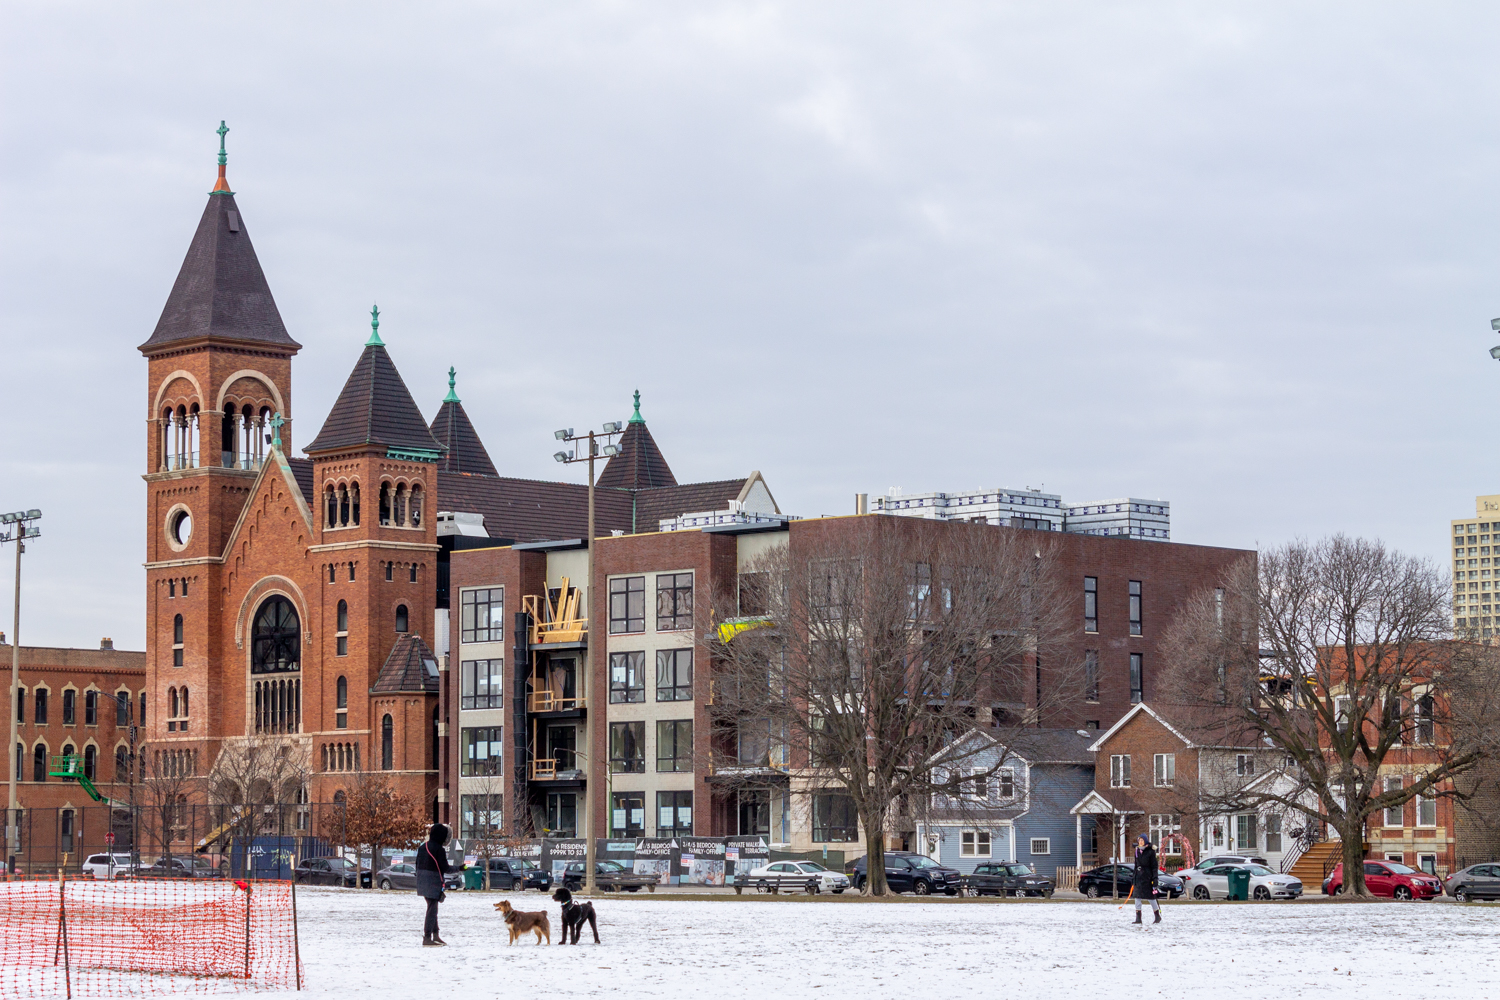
106, 643
234, 221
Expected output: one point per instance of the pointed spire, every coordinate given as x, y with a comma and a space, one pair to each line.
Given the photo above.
465, 452
636, 418
640, 464
374, 340
452, 396
375, 408
222, 186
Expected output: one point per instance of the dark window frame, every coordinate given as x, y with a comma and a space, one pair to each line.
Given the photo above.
1135, 607
674, 602
1091, 676
623, 801
627, 747
679, 741
493, 672
834, 818
1137, 678
487, 626
491, 763
669, 667
676, 801
627, 605
627, 677
1091, 604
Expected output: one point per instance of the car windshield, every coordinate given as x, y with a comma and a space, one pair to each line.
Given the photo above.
923, 862
1020, 870
610, 866
202, 863
1259, 870
526, 865
812, 866
1400, 869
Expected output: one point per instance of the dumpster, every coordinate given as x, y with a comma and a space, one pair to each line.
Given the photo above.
473, 877
1239, 883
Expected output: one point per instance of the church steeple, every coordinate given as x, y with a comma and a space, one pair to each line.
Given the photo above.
455, 432
221, 293
640, 464
376, 408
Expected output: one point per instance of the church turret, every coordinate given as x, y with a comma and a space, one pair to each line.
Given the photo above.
464, 452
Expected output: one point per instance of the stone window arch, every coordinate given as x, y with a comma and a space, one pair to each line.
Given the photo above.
341, 632
39, 761
403, 619
177, 643
387, 743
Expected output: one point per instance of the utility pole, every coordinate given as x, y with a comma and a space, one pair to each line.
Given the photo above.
23, 529
609, 450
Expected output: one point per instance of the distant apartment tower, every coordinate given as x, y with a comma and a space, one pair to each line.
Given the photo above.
1127, 517
1473, 568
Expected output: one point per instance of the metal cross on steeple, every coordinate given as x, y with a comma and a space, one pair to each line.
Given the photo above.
222, 130
276, 424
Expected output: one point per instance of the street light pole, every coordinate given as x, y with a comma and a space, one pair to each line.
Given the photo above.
23, 530
609, 450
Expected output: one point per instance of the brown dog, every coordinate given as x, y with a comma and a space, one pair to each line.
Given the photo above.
521, 921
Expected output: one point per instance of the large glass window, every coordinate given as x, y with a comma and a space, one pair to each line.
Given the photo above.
276, 638
1091, 604
674, 675
627, 678
482, 615
1135, 607
627, 747
562, 814
674, 601
481, 817
627, 814
482, 751
1136, 680
627, 604
342, 637
834, 818
481, 683
40, 715
91, 708
674, 745
70, 706
1394, 815
674, 814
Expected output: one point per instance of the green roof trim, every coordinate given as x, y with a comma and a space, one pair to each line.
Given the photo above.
452, 396
414, 454
374, 340
636, 418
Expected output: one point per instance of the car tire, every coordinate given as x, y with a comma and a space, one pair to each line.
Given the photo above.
1402, 893
860, 885
1338, 890
921, 887
1201, 892
1092, 892
1262, 893
1460, 896
385, 884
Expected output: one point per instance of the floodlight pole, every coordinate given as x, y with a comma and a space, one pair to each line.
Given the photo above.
12, 816
589, 852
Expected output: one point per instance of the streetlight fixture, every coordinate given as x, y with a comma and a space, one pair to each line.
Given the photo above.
601, 444
23, 528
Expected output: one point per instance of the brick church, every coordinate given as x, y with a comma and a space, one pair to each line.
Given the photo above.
292, 602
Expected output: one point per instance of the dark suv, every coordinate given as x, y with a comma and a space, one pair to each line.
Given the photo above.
908, 872
518, 873
1008, 879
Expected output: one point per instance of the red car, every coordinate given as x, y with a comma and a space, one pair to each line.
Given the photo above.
1388, 878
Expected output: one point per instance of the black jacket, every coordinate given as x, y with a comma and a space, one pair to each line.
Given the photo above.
1145, 872
432, 863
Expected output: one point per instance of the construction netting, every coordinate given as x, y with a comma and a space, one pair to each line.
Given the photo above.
84, 938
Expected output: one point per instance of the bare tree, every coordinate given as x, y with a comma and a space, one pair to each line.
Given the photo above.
862, 659
168, 783
253, 781
482, 819
1338, 655
378, 816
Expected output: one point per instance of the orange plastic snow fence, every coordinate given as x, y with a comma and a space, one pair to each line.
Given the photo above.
83, 938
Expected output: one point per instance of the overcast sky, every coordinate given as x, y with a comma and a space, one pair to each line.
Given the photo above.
1240, 257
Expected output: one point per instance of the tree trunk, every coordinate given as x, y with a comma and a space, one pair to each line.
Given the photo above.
875, 859
374, 857
1354, 859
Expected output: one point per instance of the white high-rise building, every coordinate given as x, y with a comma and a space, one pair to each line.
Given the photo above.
1474, 568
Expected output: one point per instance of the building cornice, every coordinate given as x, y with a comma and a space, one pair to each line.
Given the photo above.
373, 543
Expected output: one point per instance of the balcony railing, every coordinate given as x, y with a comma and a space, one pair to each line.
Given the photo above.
551, 701
543, 768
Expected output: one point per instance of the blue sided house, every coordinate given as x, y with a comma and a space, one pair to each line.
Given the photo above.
1015, 806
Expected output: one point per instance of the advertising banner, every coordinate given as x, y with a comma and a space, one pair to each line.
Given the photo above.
741, 854
558, 854
657, 857
701, 861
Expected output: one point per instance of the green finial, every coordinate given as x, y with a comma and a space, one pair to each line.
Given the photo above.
276, 423
222, 130
374, 340
452, 396
636, 418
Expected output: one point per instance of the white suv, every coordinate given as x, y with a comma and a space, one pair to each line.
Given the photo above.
107, 866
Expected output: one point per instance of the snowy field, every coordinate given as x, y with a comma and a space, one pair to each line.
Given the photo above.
357, 944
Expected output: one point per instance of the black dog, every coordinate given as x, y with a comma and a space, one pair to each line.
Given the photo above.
573, 916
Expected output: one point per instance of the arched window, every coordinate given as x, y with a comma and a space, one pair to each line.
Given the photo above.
90, 761
387, 743
333, 570
20, 704
341, 705
342, 637
400, 512
343, 506
227, 437
122, 764
39, 763
91, 708
276, 638
385, 503
333, 508
177, 645
20, 762
184, 707
172, 702
354, 503
343, 693
40, 715
402, 622
70, 706
414, 507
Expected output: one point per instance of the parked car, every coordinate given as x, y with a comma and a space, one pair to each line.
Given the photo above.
519, 874
1213, 883
1096, 882
573, 876
1008, 879
331, 871
908, 872
404, 876
819, 879
1213, 861
108, 866
1474, 882
180, 867
1387, 878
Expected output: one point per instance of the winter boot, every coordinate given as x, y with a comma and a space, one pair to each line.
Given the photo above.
443, 944
1137, 916
1158, 917
431, 943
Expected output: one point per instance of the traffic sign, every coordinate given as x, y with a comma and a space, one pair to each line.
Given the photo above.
109, 838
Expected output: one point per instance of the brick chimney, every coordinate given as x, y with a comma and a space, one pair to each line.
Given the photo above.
106, 643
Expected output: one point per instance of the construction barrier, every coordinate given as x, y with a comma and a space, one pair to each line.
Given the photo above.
82, 938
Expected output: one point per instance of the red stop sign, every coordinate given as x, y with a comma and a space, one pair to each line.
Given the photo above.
109, 838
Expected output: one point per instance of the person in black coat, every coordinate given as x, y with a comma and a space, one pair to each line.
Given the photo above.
1145, 878
432, 865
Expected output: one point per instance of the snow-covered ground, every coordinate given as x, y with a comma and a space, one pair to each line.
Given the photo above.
357, 944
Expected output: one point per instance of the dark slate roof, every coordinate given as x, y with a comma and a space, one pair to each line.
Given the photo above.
220, 291
465, 451
302, 470
640, 465
374, 408
406, 668
689, 498
1055, 745
528, 510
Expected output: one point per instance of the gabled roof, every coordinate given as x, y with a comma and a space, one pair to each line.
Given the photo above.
275, 464
220, 292
529, 510
1094, 803
639, 465
465, 453
1137, 710
1053, 746
411, 668
375, 408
